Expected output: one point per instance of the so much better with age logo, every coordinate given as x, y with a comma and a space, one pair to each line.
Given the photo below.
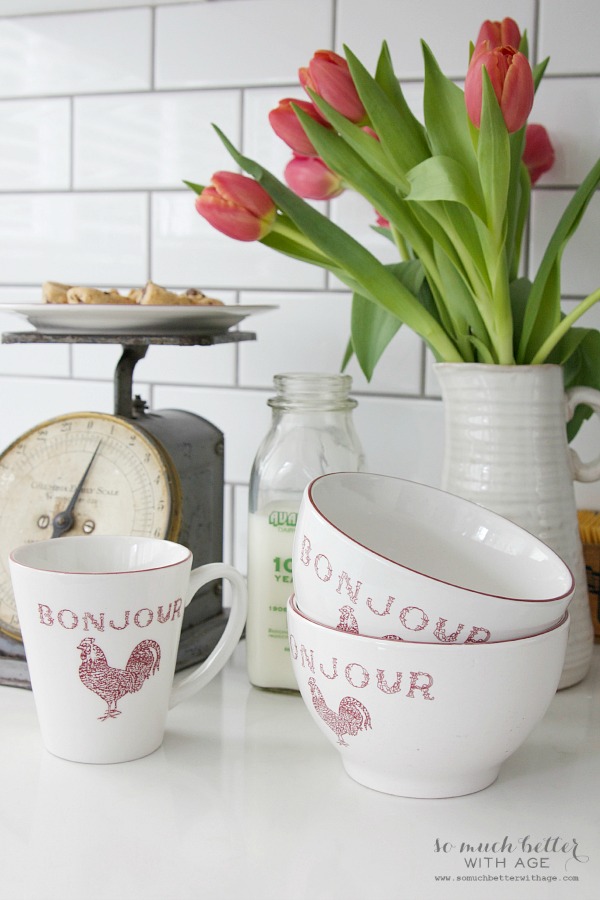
528, 858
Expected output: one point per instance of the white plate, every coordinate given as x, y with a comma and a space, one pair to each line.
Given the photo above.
58, 318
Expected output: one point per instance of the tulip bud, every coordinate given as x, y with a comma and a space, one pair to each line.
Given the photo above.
328, 75
237, 206
286, 125
511, 78
499, 34
538, 154
370, 132
310, 178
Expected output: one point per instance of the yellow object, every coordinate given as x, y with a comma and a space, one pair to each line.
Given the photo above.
589, 528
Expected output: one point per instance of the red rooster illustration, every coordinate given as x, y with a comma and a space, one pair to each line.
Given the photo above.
347, 620
351, 717
111, 684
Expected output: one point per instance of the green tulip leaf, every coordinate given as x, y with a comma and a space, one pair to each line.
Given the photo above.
518, 205
402, 140
566, 353
443, 178
384, 232
520, 289
579, 352
197, 188
456, 198
348, 354
454, 231
387, 79
543, 299
538, 72
378, 284
285, 244
484, 354
460, 303
356, 172
493, 158
372, 328
367, 147
550, 311
446, 120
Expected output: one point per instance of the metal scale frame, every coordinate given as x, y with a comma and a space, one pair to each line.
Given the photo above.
196, 448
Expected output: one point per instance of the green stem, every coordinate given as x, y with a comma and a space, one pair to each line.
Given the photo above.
503, 319
560, 331
287, 228
401, 244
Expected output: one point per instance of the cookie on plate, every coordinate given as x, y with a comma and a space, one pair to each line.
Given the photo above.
199, 299
54, 292
155, 295
92, 296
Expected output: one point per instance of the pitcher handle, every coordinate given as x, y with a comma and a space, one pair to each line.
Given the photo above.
589, 471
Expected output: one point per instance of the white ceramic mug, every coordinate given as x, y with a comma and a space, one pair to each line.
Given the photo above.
101, 619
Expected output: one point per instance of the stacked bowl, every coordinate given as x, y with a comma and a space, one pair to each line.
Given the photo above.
427, 634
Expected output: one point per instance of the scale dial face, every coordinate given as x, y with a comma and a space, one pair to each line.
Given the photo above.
130, 488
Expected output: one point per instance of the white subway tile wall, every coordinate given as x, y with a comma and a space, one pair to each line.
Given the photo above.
150, 140
244, 42
76, 54
92, 238
105, 111
362, 26
35, 139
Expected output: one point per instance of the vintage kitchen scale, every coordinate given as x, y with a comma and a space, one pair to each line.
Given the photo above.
158, 474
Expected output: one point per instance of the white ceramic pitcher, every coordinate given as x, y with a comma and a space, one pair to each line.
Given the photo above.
506, 448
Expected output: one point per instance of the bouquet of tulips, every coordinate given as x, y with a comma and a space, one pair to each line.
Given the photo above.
452, 192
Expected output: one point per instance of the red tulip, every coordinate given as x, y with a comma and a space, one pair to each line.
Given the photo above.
237, 206
512, 80
499, 34
370, 132
538, 154
310, 178
328, 76
286, 125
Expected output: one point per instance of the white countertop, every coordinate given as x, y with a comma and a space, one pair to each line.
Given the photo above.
246, 799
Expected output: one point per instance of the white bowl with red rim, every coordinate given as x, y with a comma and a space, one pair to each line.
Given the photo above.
424, 719
385, 557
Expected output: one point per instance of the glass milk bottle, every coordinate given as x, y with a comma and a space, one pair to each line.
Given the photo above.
312, 433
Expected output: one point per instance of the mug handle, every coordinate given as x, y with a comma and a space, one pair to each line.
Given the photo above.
591, 397
206, 671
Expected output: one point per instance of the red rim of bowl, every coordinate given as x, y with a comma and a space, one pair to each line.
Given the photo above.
309, 494
367, 637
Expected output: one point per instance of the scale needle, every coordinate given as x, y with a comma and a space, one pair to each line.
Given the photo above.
65, 520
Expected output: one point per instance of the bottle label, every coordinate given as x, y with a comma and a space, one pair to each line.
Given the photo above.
283, 519
270, 540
